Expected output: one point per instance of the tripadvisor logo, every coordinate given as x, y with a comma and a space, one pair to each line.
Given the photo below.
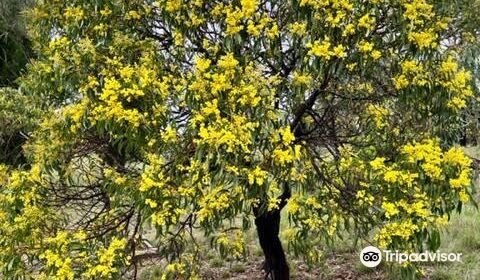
372, 256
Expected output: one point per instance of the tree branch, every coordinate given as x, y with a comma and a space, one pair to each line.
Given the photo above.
307, 105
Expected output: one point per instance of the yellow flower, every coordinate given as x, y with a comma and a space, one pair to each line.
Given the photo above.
287, 135
107, 257
301, 79
339, 51
378, 163
320, 49
293, 206
457, 157
449, 66
365, 46
173, 6
464, 197
74, 13
360, 194
425, 39
463, 180
253, 29
283, 156
457, 103
390, 209
401, 82
105, 12
133, 15
273, 203
227, 61
417, 11
403, 230
298, 28
366, 22
151, 203
232, 19
178, 39
65, 271
273, 31
248, 7
257, 176
80, 235
376, 54
379, 114
443, 220
391, 176
170, 134
351, 66
202, 64
349, 30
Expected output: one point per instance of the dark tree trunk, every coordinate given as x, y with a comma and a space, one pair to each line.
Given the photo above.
463, 138
463, 133
268, 228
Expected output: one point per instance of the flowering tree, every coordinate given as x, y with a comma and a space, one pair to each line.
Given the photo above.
197, 115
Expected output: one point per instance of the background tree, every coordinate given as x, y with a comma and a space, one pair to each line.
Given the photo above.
19, 115
195, 115
15, 48
470, 58
18, 112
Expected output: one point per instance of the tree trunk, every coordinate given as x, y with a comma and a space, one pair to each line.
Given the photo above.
463, 138
268, 228
463, 133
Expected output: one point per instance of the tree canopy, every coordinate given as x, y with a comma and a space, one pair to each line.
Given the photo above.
181, 116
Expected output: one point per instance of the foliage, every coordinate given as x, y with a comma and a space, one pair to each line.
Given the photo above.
185, 115
15, 48
19, 116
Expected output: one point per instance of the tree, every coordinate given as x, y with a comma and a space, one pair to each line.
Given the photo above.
196, 115
18, 112
15, 48
19, 116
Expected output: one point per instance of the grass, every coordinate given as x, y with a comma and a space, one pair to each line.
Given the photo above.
463, 236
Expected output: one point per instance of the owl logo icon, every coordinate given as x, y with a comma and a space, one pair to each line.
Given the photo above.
370, 256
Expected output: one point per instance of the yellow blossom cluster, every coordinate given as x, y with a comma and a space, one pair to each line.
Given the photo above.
455, 82
423, 160
419, 14
412, 73
403, 230
232, 243
216, 200
107, 258
379, 114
